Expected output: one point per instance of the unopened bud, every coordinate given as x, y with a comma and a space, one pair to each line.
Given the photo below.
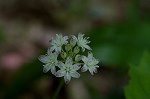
78, 58
63, 55
72, 42
68, 47
76, 50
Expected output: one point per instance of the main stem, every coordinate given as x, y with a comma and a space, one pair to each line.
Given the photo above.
58, 89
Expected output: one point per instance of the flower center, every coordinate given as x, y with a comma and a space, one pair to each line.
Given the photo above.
59, 45
52, 62
68, 68
89, 62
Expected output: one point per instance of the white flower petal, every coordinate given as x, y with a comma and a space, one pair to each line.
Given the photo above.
83, 49
60, 65
44, 58
97, 66
84, 68
58, 49
76, 66
55, 55
84, 59
95, 70
64, 40
96, 61
69, 61
87, 47
49, 51
46, 68
90, 55
53, 69
67, 78
75, 74
91, 71
75, 38
52, 48
60, 73
80, 36
56, 63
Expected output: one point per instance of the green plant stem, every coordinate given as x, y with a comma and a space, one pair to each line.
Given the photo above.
58, 89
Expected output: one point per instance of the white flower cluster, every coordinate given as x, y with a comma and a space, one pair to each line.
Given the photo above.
65, 57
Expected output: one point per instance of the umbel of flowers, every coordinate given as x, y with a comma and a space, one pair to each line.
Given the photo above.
67, 55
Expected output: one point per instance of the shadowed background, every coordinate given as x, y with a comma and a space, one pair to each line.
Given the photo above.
119, 31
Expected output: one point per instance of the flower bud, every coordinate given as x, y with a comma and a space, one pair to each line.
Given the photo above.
63, 55
68, 47
72, 42
76, 50
78, 58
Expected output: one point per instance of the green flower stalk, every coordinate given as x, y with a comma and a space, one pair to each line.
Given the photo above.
65, 57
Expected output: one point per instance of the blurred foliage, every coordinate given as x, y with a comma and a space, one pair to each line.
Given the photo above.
2, 36
133, 11
118, 44
121, 43
93, 93
23, 79
139, 87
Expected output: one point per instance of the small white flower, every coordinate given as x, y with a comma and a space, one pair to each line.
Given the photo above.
68, 70
82, 42
50, 60
58, 42
90, 63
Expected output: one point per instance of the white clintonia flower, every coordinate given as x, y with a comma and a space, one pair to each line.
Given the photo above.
58, 42
82, 42
50, 60
90, 64
70, 57
68, 70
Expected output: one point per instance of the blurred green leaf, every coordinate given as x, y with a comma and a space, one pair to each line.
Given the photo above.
139, 85
118, 44
133, 10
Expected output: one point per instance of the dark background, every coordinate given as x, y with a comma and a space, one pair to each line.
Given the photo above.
119, 31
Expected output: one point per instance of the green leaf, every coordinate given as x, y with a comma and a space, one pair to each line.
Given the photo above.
139, 85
